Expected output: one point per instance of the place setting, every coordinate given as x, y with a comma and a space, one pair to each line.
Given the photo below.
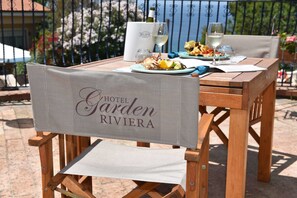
196, 59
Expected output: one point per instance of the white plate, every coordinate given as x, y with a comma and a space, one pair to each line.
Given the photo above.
186, 55
141, 68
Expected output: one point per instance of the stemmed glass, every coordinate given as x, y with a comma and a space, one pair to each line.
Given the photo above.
215, 35
160, 35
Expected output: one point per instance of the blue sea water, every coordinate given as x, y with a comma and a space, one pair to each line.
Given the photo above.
189, 23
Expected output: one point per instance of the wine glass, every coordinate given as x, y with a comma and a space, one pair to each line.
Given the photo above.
229, 52
214, 37
160, 35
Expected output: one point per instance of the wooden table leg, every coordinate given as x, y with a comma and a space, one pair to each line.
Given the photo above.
266, 134
237, 153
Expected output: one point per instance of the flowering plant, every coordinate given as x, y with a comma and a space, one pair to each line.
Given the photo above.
94, 33
42, 48
87, 34
288, 43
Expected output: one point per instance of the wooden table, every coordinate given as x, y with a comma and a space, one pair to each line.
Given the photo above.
236, 92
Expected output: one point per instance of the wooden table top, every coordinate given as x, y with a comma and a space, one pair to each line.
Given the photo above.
236, 90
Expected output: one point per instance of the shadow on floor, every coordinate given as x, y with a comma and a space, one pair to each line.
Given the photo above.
19, 123
291, 115
279, 186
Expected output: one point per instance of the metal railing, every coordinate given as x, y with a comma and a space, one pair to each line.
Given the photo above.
69, 32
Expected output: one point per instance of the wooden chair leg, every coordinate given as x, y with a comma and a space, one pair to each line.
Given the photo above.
47, 171
85, 142
203, 170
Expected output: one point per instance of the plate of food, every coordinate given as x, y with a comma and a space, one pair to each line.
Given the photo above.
197, 50
155, 65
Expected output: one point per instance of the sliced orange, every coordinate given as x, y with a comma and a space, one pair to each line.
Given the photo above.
163, 65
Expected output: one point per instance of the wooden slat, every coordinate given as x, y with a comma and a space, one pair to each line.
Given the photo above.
177, 192
222, 118
251, 61
70, 148
229, 90
249, 76
76, 187
254, 135
40, 140
220, 100
215, 126
56, 180
220, 133
141, 190
154, 194
221, 79
217, 110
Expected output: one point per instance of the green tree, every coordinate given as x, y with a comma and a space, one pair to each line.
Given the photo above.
263, 18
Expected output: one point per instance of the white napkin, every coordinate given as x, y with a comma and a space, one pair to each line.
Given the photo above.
223, 67
239, 68
232, 60
193, 62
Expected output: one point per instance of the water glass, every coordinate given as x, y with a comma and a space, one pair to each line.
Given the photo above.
142, 54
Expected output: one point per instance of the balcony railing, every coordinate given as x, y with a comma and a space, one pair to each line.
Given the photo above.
69, 32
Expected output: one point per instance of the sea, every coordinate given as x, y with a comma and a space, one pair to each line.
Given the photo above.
188, 24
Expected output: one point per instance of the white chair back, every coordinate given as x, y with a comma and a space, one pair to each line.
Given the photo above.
253, 45
130, 106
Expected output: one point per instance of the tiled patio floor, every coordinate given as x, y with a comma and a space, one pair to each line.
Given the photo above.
20, 170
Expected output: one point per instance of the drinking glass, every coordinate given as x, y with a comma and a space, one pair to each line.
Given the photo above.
228, 51
160, 35
215, 35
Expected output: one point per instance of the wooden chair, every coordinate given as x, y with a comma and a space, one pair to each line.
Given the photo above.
263, 47
66, 104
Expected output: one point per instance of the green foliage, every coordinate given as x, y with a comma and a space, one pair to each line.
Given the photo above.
262, 18
20, 68
203, 38
85, 34
288, 43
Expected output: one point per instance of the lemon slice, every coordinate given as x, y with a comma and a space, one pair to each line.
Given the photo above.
169, 63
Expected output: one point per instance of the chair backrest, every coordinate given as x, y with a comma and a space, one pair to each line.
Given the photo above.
131, 106
253, 46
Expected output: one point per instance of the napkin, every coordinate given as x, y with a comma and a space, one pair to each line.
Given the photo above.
173, 54
190, 63
199, 70
232, 60
195, 63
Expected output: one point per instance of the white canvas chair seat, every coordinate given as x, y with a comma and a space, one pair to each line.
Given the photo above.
105, 157
77, 104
